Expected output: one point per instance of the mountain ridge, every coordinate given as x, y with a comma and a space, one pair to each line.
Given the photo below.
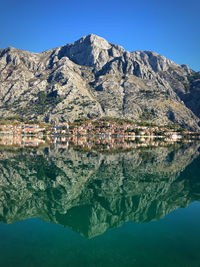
94, 78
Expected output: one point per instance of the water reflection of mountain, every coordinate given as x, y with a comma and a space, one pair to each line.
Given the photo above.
92, 192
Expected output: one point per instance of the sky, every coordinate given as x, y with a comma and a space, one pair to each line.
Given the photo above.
168, 27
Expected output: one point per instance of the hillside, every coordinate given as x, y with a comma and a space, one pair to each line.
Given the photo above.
94, 78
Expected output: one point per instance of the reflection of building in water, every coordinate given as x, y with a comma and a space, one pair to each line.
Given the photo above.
21, 129
18, 140
100, 143
111, 143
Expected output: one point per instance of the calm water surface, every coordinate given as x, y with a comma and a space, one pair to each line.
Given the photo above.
62, 207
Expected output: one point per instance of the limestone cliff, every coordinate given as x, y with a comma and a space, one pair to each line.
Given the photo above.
94, 78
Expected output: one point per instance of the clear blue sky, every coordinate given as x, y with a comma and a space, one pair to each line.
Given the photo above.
168, 27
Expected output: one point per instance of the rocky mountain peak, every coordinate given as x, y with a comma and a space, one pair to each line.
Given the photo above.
94, 78
93, 40
91, 50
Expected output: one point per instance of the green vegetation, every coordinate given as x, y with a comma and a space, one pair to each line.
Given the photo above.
174, 126
45, 100
116, 120
146, 115
11, 120
81, 121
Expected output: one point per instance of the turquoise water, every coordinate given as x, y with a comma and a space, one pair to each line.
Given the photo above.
173, 241
70, 208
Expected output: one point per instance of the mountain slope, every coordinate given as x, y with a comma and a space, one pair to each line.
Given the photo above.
94, 78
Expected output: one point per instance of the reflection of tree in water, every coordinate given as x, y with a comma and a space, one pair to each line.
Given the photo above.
92, 192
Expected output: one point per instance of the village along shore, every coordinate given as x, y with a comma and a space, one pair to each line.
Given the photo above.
97, 134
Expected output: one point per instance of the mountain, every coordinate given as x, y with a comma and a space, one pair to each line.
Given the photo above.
91, 192
94, 78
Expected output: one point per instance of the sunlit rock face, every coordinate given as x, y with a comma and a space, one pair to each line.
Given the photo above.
91, 192
94, 78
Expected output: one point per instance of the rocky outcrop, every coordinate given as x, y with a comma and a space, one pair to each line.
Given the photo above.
92, 192
94, 78
191, 96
